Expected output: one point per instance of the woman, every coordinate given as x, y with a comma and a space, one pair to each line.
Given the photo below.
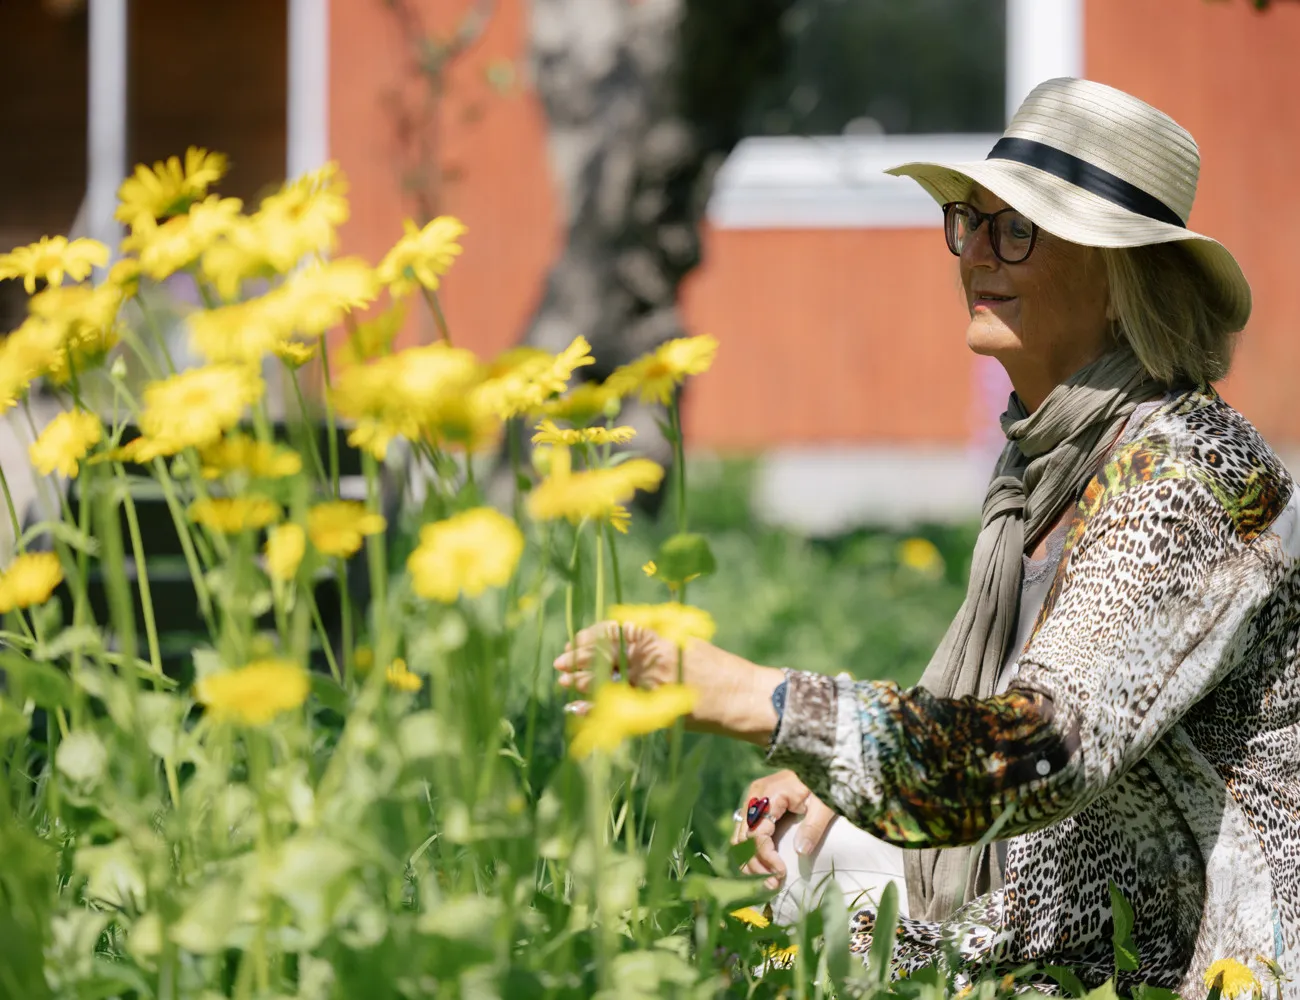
1118, 698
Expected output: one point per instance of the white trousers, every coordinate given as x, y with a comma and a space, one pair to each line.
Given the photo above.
848, 860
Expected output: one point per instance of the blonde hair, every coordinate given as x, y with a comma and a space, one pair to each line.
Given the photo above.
1160, 307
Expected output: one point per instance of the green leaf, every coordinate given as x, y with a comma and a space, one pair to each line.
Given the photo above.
1106, 991
13, 723
1144, 992
1126, 952
684, 557
72, 537
48, 686
1066, 978
329, 693
835, 937
882, 937
74, 639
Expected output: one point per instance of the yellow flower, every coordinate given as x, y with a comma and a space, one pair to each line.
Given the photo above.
374, 338
526, 378
29, 580
921, 556
401, 678
583, 403
170, 187
194, 408
285, 547
363, 658
595, 493
372, 437
125, 276
620, 711
655, 376
87, 322
650, 569
255, 694
177, 243
64, 443
317, 297
294, 353
51, 259
781, 958
549, 433
26, 354
239, 453
1237, 977
411, 392
422, 256
231, 515
244, 332
676, 622
751, 916
337, 527
302, 217
467, 553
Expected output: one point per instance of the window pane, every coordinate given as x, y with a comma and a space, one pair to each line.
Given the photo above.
893, 66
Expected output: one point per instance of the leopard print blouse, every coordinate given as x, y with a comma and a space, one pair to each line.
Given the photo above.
1150, 737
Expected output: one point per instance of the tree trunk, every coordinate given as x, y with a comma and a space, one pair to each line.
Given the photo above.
643, 100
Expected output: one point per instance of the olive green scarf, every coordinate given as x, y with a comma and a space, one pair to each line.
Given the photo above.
1050, 456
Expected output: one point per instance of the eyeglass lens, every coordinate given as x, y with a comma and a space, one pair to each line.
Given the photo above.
1012, 235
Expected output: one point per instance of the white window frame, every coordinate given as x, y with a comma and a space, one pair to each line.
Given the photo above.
837, 182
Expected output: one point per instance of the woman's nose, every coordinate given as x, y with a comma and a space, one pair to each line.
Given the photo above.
977, 251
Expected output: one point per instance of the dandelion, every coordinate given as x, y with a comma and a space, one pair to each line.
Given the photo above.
620, 711
676, 622
285, 547
29, 580
422, 256
921, 556
51, 259
240, 453
170, 187
465, 554
337, 527
64, 442
231, 515
751, 916
401, 678
549, 433
1237, 978
194, 408
781, 958
655, 376
598, 494
255, 694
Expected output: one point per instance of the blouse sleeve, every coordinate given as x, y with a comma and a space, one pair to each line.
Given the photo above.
1139, 628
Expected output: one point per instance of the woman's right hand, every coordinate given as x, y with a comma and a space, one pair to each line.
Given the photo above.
785, 794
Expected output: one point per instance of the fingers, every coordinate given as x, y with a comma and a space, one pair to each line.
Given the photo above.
766, 859
579, 653
579, 680
812, 830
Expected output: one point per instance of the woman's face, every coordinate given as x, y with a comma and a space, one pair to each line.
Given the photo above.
1044, 318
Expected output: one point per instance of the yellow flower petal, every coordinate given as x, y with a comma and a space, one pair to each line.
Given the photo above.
65, 442
465, 554
337, 527
285, 547
255, 694
29, 580
676, 622
620, 711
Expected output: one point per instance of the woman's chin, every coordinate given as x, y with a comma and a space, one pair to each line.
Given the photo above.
993, 341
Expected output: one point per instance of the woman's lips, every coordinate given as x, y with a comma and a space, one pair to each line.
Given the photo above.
987, 302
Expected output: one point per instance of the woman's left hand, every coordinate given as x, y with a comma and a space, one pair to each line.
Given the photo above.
734, 695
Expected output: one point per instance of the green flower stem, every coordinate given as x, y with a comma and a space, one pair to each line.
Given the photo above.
324, 636
183, 528
139, 350
312, 443
377, 556
157, 334
679, 460
600, 573
141, 577
330, 423
345, 603
431, 297
13, 513
534, 702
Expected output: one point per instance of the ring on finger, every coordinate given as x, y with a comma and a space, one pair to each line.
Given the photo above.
756, 810
738, 816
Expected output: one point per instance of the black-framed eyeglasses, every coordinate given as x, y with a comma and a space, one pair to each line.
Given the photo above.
1011, 235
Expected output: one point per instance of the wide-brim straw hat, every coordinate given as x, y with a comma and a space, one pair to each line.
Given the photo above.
1096, 166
